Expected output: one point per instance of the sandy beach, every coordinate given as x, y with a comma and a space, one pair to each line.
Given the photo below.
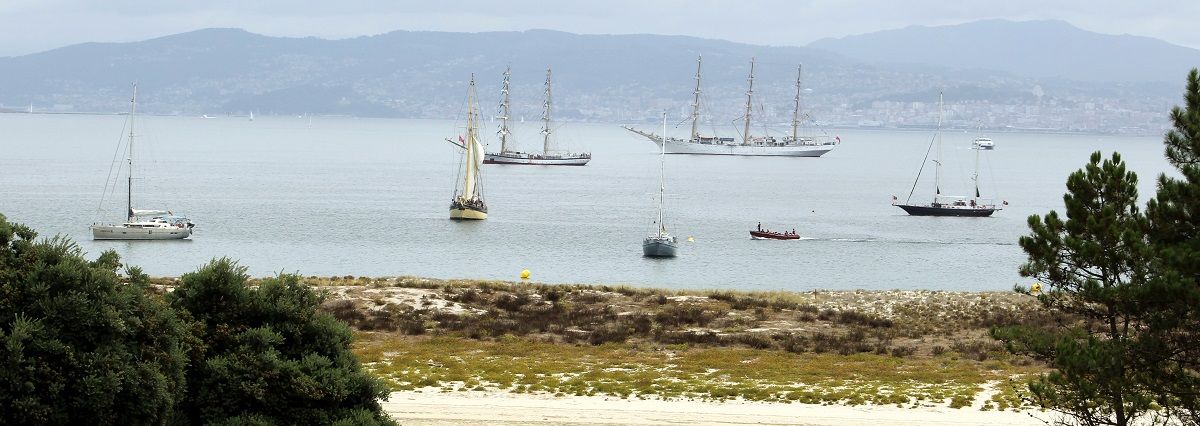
431, 407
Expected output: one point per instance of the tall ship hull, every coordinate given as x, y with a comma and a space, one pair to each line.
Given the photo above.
116, 232
521, 158
699, 148
947, 211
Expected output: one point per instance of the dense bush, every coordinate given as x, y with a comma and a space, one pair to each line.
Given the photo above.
77, 343
267, 355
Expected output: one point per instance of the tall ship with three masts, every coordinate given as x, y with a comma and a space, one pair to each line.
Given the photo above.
141, 224
793, 145
467, 202
547, 157
946, 205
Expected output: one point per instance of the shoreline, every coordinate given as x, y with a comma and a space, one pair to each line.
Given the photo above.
432, 407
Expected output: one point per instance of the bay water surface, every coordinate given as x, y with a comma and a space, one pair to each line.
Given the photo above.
370, 197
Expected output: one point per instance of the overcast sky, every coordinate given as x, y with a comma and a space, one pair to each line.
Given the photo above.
29, 26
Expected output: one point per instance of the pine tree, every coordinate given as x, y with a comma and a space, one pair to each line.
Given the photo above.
1092, 265
1172, 300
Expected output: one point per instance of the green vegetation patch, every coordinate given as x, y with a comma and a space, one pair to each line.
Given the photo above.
680, 372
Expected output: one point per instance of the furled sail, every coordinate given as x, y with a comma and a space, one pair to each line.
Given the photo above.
144, 213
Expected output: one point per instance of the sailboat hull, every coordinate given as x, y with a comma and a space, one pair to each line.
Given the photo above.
947, 211
114, 232
658, 248
467, 214
521, 158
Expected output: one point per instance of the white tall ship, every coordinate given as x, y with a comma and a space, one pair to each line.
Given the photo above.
547, 157
794, 145
141, 224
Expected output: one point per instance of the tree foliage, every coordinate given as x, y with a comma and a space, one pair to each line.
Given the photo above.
267, 356
1092, 262
1172, 298
1131, 279
78, 344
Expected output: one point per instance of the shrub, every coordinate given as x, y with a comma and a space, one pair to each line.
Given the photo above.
77, 343
268, 356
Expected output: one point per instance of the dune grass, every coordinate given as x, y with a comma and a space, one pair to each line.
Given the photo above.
683, 372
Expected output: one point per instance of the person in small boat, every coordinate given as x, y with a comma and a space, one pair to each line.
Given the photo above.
760, 227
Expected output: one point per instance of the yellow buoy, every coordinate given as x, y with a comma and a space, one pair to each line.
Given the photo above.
525, 274
691, 240
1036, 288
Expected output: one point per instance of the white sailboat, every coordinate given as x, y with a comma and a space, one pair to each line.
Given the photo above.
661, 243
142, 224
547, 157
794, 145
467, 203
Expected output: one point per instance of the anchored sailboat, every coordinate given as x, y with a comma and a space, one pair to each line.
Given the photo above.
467, 202
141, 224
547, 157
661, 243
946, 205
794, 145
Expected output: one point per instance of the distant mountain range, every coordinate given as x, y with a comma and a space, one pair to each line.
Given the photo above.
1039, 49
597, 77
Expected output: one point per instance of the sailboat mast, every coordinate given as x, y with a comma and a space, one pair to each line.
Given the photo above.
796, 112
469, 144
696, 102
546, 117
504, 113
937, 173
662, 177
129, 188
749, 99
977, 174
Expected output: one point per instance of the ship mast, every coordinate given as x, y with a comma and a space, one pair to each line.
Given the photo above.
696, 103
662, 178
937, 174
796, 113
472, 164
129, 189
749, 99
504, 113
546, 117
977, 174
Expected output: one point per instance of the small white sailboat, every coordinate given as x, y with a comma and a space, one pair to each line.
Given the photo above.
142, 224
547, 157
661, 243
467, 202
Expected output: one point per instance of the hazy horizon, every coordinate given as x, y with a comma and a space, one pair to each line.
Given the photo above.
51, 24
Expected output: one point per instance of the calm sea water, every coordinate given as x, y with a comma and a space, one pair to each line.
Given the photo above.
366, 197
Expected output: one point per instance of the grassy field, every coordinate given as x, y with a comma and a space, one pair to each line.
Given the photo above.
904, 348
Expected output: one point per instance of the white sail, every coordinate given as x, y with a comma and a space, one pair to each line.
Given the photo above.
473, 160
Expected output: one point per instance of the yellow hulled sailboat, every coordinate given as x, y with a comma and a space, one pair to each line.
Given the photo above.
468, 199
